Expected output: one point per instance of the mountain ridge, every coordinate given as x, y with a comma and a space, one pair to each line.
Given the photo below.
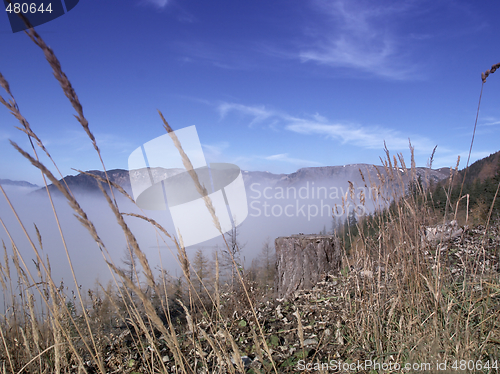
84, 183
10, 182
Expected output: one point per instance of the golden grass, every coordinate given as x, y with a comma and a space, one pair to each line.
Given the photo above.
411, 308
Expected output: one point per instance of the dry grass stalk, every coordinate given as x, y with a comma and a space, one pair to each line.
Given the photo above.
17, 258
130, 239
300, 329
189, 168
170, 336
413, 292
236, 352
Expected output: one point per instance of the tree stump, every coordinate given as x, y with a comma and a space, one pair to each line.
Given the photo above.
301, 260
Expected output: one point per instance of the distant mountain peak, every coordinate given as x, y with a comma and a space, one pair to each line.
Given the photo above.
8, 182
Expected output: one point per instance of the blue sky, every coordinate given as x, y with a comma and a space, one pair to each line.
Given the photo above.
270, 85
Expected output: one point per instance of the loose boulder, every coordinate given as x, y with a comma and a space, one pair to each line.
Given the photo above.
433, 235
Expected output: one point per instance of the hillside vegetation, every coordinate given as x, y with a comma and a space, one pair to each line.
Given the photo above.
475, 187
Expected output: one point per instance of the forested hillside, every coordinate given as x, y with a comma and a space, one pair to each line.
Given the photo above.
478, 184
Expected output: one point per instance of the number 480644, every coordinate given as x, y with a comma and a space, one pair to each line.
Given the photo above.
28, 8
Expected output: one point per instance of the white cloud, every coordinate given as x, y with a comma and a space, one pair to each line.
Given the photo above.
490, 121
158, 3
224, 54
372, 137
260, 113
368, 137
78, 141
361, 35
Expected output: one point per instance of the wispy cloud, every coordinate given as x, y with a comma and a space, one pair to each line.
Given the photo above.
368, 137
213, 152
224, 54
371, 138
490, 121
259, 113
361, 35
78, 141
158, 3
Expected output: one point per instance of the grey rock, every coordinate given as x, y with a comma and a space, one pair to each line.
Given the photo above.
310, 342
441, 233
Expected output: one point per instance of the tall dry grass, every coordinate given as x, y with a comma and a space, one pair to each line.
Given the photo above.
409, 301
65, 340
400, 301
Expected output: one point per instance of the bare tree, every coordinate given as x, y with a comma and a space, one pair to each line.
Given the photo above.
335, 225
252, 274
129, 260
201, 266
268, 263
231, 254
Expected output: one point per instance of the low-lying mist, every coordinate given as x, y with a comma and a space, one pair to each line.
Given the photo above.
273, 210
